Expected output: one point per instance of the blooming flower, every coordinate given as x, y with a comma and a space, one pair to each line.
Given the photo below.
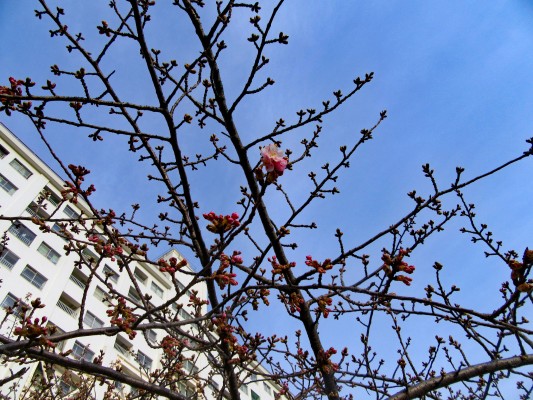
273, 159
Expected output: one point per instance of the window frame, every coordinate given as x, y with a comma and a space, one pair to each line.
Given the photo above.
158, 290
52, 198
7, 185
65, 388
13, 300
21, 168
84, 352
141, 276
3, 152
71, 213
267, 388
143, 360
113, 277
21, 232
100, 294
4, 254
151, 336
50, 254
133, 294
92, 320
34, 279
122, 346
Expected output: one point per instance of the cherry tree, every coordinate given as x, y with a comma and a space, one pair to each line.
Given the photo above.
252, 254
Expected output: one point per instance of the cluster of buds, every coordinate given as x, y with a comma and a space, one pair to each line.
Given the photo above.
106, 218
105, 249
393, 265
221, 276
282, 392
197, 302
74, 188
321, 268
225, 330
137, 249
172, 265
274, 161
221, 223
35, 330
324, 362
294, 301
519, 269
255, 295
122, 316
14, 90
322, 305
279, 269
243, 353
236, 258
171, 346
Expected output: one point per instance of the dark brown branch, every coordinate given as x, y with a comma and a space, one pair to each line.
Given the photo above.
462, 375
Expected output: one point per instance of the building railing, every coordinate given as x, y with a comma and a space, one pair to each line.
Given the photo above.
21, 235
6, 262
69, 310
78, 282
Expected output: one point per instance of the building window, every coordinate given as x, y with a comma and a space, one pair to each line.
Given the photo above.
132, 294
141, 276
8, 258
68, 306
214, 386
7, 185
79, 278
108, 271
152, 336
36, 279
184, 314
61, 232
122, 346
48, 252
100, 294
69, 212
143, 360
255, 396
267, 388
3, 152
92, 321
22, 233
182, 288
79, 351
60, 345
89, 257
119, 386
157, 289
21, 169
244, 389
53, 198
190, 367
36, 211
12, 303
185, 390
65, 388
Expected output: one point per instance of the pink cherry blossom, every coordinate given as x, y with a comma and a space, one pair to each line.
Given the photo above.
273, 159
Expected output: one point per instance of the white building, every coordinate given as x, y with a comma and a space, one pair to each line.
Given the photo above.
34, 262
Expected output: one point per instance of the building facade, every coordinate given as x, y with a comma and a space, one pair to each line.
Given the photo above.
33, 263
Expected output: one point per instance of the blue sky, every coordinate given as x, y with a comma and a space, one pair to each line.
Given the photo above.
454, 75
